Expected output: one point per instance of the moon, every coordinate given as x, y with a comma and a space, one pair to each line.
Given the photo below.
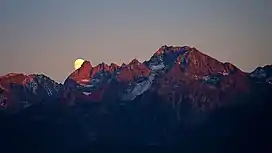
78, 62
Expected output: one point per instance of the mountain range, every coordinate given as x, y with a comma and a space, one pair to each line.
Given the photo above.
176, 99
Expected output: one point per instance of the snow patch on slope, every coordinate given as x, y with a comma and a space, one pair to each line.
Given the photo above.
139, 88
87, 93
157, 67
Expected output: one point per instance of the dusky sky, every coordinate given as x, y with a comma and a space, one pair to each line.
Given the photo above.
46, 36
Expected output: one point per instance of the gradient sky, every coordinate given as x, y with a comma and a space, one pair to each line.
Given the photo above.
46, 36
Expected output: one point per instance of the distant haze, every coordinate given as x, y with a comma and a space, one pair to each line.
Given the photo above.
46, 36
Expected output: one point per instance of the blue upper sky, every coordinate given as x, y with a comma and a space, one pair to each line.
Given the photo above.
46, 36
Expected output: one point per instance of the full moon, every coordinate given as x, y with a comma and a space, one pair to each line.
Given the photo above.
78, 63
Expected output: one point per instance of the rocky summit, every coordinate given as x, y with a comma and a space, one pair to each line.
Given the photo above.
165, 102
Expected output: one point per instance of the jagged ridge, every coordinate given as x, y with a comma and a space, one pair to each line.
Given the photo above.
177, 74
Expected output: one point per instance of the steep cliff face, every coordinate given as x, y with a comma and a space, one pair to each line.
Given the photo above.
83, 73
